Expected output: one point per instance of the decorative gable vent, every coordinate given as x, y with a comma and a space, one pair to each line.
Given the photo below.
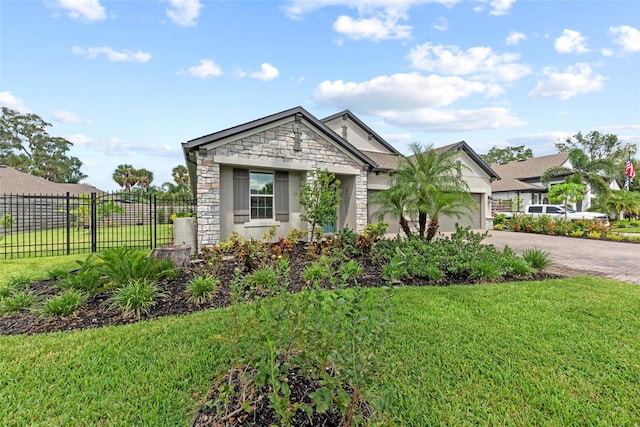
297, 129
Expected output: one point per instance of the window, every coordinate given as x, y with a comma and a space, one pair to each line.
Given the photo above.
261, 195
554, 210
535, 209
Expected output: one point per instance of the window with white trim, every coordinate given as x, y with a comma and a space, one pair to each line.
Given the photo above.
261, 195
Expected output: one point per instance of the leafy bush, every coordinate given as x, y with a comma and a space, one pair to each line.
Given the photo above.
349, 271
18, 301
89, 281
536, 258
375, 232
63, 305
484, 271
122, 265
517, 267
316, 272
264, 281
57, 273
500, 219
296, 235
138, 296
202, 289
345, 240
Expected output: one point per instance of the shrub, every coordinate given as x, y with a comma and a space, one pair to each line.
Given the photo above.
375, 232
19, 281
57, 273
122, 265
89, 281
63, 305
296, 235
202, 289
349, 271
138, 296
484, 271
346, 242
18, 301
500, 219
315, 272
536, 258
519, 267
264, 281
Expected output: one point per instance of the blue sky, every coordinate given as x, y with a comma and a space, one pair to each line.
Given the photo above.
128, 81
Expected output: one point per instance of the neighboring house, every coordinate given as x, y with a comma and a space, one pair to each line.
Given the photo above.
14, 182
246, 178
522, 178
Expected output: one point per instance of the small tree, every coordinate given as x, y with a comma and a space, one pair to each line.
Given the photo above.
319, 199
567, 192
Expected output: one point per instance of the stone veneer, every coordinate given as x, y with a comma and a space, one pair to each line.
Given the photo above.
276, 145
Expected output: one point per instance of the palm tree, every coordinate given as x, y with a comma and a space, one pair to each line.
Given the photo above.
144, 178
430, 184
392, 201
180, 174
583, 171
125, 176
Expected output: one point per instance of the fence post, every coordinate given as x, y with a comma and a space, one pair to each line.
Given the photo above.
153, 221
68, 224
94, 223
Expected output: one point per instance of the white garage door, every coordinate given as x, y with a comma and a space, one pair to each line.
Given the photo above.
474, 221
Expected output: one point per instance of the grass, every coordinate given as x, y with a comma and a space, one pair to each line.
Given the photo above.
627, 230
559, 352
37, 268
54, 241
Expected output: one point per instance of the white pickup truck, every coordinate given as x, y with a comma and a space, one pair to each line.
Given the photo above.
558, 211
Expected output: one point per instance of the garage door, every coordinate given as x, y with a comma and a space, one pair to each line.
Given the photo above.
394, 225
474, 221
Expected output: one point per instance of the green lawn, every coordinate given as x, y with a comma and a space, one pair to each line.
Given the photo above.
57, 241
559, 352
627, 230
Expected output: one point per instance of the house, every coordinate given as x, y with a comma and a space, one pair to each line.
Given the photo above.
13, 181
522, 178
246, 178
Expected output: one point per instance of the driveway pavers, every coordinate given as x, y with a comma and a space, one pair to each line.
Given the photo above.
571, 256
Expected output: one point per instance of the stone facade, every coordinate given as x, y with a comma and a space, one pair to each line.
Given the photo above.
274, 149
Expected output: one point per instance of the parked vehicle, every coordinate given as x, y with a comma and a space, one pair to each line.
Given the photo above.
558, 211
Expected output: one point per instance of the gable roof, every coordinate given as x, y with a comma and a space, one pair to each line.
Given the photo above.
360, 123
194, 144
530, 168
463, 146
13, 181
514, 173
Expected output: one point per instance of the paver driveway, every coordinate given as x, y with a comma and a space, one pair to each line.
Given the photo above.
571, 256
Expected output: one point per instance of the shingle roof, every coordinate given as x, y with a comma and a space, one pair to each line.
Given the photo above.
13, 181
385, 161
529, 168
513, 173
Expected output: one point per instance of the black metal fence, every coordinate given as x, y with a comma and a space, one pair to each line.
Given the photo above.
46, 225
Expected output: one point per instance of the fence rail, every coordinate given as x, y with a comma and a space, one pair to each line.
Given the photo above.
64, 224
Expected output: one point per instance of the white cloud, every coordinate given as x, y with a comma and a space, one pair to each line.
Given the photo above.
497, 7
607, 52
184, 12
205, 68
10, 101
573, 81
396, 139
267, 72
79, 139
544, 142
64, 116
374, 28
627, 37
398, 91
111, 54
295, 9
118, 147
433, 120
514, 38
481, 62
441, 24
571, 41
375, 20
83, 10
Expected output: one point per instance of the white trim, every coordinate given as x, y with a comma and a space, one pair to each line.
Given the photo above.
261, 223
282, 165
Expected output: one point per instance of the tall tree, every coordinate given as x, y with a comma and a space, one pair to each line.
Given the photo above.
507, 154
566, 192
126, 176
433, 185
180, 174
26, 146
144, 178
597, 147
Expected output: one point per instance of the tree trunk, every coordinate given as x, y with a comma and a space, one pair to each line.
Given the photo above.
422, 224
433, 228
404, 225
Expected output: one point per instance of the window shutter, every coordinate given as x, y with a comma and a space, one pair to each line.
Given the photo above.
281, 195
240, 195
